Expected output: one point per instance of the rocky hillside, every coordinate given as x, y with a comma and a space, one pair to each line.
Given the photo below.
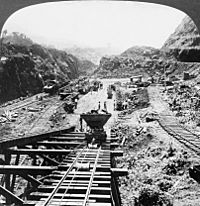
87, 67
141, 53
184, 43
25, 66
181, 52
134, 61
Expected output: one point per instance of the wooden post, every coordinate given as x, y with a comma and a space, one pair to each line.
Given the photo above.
14, 176
7, 177
34, 162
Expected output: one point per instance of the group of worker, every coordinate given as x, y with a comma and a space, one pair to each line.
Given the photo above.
125, 104
104, 105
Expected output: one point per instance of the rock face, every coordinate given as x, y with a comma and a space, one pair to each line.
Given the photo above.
184, 43
134, 61
141, 53
180, 53
19, 77
26, 66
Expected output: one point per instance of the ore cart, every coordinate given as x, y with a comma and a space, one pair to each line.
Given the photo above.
96, 123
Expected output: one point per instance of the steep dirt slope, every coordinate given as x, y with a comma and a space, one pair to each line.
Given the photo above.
184, 43
25, 66
185, 35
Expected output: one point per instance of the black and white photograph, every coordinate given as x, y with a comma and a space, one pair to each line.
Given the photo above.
99, 103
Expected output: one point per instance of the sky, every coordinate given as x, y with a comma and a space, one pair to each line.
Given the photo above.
114, 24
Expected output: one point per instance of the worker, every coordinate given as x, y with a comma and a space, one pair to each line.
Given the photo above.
105, 106
76, 102
81, 123
99, 106
124, 104
114, 105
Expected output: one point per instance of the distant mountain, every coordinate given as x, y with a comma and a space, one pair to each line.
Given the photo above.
92, 54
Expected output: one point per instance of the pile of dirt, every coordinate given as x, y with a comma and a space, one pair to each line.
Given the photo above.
58, 117
127, 101
184, 101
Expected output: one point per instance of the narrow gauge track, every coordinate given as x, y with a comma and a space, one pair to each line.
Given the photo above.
24, 103
75, 174
44, 115
81, 179
184, 136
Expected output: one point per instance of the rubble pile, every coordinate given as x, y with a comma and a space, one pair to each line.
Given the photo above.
129, 101
156, 169
184, 101
58, 117
177, 165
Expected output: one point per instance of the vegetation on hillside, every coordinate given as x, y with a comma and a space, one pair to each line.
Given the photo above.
25, 66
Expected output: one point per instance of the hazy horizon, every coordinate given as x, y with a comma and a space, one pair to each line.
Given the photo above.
111, 24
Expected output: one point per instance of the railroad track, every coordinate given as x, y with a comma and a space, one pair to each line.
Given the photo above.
44, 116
83, 176
72, 173
27, 102
82, 179
183, 135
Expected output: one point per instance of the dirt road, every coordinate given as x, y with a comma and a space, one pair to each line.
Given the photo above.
35, 117
91, 101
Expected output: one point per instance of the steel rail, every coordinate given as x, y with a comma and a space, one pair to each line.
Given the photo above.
27, 102
91, 178
40, 116
60, 201
188, 142
46, 203
181, 138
